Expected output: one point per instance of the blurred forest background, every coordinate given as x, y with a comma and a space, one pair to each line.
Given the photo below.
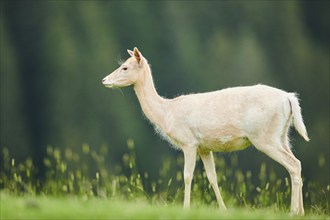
54, 55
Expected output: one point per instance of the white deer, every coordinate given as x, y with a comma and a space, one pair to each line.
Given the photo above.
226, 120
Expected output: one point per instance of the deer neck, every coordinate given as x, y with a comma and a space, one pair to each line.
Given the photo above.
153, 105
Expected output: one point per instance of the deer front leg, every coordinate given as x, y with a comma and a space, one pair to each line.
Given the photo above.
209, 166
189, 167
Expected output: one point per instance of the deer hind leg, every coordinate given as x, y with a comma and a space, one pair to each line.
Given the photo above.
284, 156
285, 143
298, 191
209, 166
189, 167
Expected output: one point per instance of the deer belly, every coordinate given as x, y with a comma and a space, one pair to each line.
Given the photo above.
224, 144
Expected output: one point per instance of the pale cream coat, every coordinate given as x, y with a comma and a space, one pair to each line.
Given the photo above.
226, 120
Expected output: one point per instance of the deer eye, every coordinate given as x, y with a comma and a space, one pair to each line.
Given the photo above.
124, 68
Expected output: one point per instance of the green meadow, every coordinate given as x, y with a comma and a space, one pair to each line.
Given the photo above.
72, 190
49, 207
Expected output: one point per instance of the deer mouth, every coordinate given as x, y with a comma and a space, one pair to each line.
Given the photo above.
110, 86
106, 84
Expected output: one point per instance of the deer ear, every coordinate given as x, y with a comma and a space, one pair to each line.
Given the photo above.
137, 55
130, 53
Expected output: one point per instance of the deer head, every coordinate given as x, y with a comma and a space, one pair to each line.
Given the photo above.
128, 73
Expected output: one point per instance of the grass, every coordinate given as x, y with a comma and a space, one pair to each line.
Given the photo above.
82, 184
45, 207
